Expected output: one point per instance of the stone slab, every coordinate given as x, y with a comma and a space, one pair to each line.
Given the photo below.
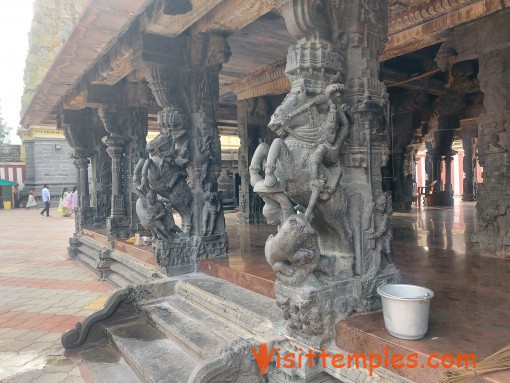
151, 355
106, 365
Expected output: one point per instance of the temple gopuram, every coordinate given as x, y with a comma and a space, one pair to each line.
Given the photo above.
309, 116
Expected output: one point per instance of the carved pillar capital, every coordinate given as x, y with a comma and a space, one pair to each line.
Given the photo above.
408, 102
163, 82
113, 119
81, 162
209, 51
450, 104
115, 148
305, 18
78, 127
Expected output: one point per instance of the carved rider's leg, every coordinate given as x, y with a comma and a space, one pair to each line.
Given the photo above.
256, 163
174, 180
315, 181
277, 147
205, 221
332, 184
161, 231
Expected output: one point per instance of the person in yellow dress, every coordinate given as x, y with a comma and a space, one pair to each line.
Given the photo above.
63, 211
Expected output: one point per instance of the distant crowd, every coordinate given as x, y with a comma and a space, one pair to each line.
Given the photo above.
68, 201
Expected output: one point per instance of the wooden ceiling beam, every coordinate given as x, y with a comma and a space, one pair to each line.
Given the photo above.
234, 15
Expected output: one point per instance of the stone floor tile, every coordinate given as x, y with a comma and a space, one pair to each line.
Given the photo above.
73, 379
42, 293
50, 377
24, 377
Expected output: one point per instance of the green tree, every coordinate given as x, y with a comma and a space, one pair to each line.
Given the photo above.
4, 130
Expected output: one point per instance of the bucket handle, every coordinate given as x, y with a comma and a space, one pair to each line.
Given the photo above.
426, 298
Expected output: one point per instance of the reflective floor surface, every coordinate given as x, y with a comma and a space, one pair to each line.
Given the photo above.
432, 246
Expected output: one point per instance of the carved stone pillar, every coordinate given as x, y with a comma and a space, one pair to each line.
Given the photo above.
448, 172
468, 193
137, 128
79, 129
434, 168
113, 119
101, 181
82, 164
493, 196
185, 158
328, 157
487, 39
406, 116
252, 116
245, 215
443, 125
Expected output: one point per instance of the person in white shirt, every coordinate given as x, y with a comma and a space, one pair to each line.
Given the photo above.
47, 200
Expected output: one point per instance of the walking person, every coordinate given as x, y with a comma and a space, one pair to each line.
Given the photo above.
62, 209
46, 197
73, 201
31, 199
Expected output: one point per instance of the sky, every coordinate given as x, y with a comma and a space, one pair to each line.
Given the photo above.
15, 21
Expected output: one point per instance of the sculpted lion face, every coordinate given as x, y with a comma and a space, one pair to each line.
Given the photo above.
297, 228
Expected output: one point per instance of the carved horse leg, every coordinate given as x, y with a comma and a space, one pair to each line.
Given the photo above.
273, 156
256, 163
284, 268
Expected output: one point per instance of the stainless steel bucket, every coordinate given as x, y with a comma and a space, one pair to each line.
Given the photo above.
406, 310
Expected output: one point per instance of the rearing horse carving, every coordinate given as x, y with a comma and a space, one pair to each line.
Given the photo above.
305, 161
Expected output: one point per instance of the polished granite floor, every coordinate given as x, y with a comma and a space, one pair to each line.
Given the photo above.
432, 247
471, 308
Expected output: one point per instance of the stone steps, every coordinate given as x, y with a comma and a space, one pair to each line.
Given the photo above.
85, 257
127, 273
119, 280
198, 332
182, 324
121, 269
106, 365
252, 312
153, 357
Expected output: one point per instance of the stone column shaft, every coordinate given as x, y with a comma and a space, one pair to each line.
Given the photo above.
493, 196
448, 173
468, 181
116, 152
82, 164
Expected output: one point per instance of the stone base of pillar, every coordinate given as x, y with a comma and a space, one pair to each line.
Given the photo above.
72, 249
104, 263
117, 228
468, 197
402, 206
85, 217
497, 245
311, 312
250, 219
244, 219
180, 255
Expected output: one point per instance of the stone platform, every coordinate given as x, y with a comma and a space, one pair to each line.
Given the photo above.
433, 248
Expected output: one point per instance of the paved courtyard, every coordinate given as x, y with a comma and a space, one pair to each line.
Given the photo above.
42, 294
